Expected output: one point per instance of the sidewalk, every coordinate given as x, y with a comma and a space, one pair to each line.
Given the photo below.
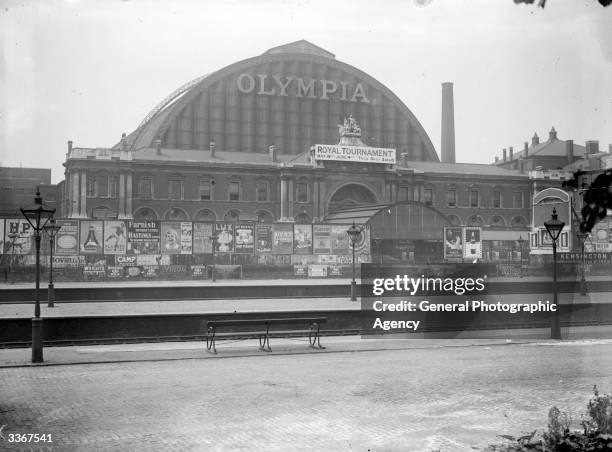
168, 351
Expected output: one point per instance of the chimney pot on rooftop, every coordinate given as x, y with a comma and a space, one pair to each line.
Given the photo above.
211, 147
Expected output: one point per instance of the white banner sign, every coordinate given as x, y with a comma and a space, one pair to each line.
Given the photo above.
354, 154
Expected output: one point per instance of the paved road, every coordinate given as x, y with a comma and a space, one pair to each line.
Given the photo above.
62, 309
444, 398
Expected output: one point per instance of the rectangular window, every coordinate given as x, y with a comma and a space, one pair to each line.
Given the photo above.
404, 193
474, 198
262, 191
113, 186
175, 189
518, 199
205, 190
428, 196
91, 186
102, 188
451, 198
496, 199
301, 192
145, 187
234, 191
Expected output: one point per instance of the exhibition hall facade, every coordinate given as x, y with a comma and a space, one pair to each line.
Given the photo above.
274, 157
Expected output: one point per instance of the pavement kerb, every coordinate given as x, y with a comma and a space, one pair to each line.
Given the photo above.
258, 353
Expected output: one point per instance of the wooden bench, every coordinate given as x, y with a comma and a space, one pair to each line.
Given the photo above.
312, 323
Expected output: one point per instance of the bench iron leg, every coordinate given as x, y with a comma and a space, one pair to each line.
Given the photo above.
264, 341
314, 338
210, 340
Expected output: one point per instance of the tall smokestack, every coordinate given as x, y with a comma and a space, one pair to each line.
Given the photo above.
448, 124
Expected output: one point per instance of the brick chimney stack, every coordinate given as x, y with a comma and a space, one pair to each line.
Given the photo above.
211, 146
272, 151
448, 124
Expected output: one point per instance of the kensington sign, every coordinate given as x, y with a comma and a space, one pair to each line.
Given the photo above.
589, 258
354, 153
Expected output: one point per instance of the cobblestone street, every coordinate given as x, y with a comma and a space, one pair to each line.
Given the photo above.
446, 398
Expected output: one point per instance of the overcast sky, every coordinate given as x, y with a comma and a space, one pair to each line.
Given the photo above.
89, 70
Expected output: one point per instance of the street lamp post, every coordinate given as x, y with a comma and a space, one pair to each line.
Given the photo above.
521, 241
353, 232
214, 237
37, 216
582, 236
51, 229
554, 227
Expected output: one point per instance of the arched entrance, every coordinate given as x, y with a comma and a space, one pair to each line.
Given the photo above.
349, 196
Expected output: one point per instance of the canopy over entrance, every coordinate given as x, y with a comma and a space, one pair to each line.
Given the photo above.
405, 220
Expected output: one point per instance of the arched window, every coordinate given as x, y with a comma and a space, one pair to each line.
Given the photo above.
475, 220
232, 216
205, 215
302, 218
454, 220
145, 213
176, 214
498, 221
263, 216
518, 222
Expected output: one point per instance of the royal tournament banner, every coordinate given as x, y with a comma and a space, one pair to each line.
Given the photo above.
22, 242
67, 238
322, 238
202, 238
244, 238
472, 244
302, 238
282, 236
225, 240
453, 243
339, 239
115, 237
143, 237
186, 238
263, 238
91, 237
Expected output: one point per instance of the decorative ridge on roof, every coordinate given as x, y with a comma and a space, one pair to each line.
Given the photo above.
301, 46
